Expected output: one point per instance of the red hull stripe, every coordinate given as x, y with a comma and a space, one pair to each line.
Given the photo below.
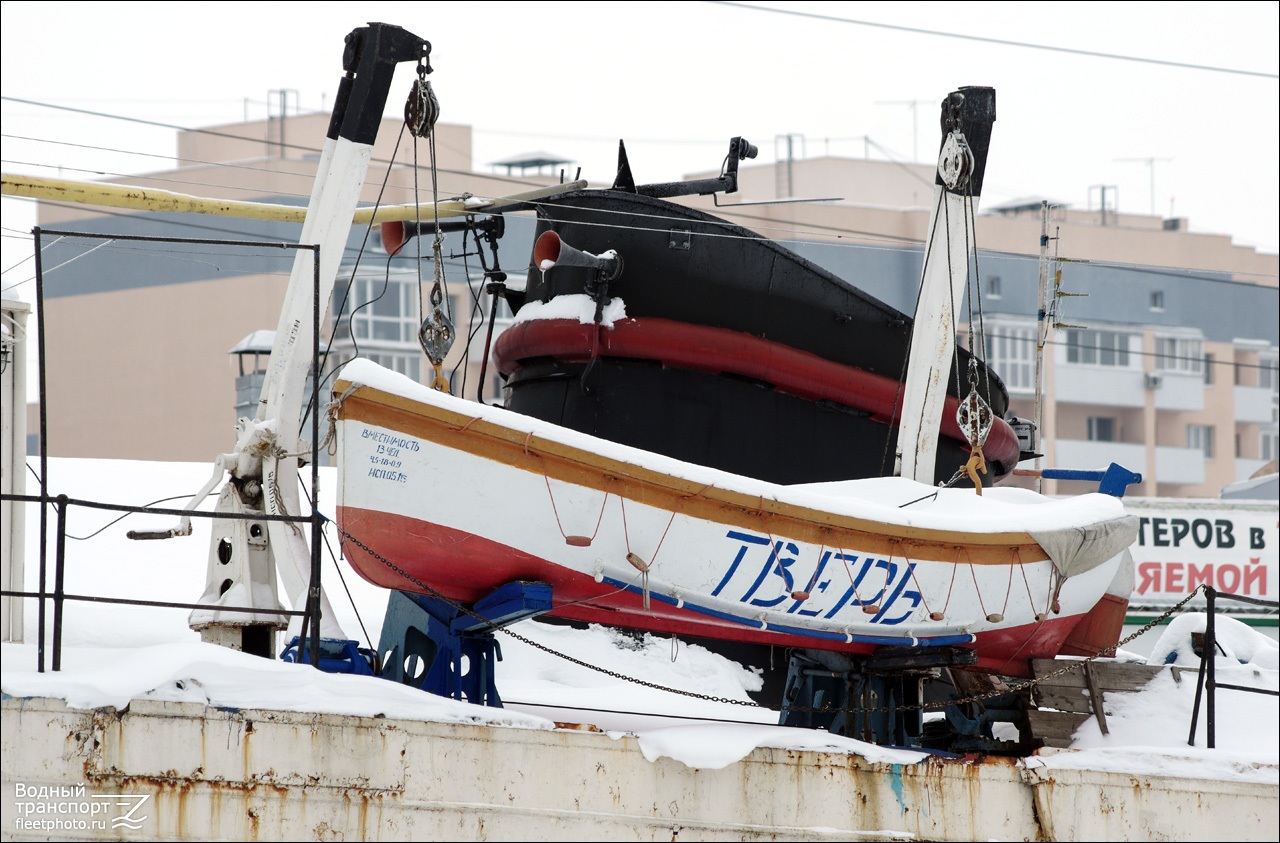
719, 350
464, 567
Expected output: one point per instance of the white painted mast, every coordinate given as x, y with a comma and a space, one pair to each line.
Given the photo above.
967, 116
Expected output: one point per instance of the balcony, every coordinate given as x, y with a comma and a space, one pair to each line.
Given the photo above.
1103, 386
1254, 405
1179, 465
1087, 455
1179, 391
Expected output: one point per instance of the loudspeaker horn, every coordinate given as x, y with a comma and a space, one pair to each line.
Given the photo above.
550, 251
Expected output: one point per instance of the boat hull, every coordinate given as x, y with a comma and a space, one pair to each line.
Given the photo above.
447, 497
722, 398
477, 565
751, 345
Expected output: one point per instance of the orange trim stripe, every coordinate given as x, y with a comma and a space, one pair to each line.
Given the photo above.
521, 450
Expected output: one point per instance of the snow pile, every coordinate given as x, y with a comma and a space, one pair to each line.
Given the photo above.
577, 306
1149, 730
212, 675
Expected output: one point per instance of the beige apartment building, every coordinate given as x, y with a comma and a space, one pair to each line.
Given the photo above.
1166, 358
1166, 362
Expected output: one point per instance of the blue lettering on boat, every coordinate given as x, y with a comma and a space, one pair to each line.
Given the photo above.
388, 474
873, 582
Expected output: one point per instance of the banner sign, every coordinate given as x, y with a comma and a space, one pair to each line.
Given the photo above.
1184, 543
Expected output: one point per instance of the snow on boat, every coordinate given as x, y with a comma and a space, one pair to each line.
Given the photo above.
624, 486
449, 497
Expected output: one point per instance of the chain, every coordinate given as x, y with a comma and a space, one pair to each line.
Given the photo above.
1021, 686
1070, 668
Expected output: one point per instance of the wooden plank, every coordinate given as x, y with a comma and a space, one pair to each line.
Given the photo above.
1113, 676
1054, 728
1070, 679
1061, 686
1067, 699
107, 194
1095, 694
1073, 694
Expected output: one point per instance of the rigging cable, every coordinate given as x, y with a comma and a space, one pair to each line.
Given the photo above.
436, 333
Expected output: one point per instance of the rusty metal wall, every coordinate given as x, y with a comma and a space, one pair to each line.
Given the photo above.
266, 775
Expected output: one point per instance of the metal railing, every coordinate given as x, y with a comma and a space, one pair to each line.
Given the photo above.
1206, 679
310, 630
58, 596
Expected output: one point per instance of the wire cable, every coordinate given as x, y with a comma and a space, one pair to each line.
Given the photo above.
1001, 41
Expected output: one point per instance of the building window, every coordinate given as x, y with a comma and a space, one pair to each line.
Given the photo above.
1179, 354
377, 318
993, 287
379, 309
1269, 372
1011, 351
1208, 369
1102, 429
1200, 437
1267, 442
409, 365
1098, 348
1157, 301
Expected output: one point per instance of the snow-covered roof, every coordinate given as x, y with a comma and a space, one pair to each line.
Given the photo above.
531, 159
1260, 487
259, 341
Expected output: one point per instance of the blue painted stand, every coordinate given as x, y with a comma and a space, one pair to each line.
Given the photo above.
436, 646
336, 656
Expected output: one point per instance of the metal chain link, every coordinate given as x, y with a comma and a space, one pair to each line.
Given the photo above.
1070, 668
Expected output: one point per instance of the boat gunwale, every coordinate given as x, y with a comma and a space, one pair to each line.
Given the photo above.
568, 463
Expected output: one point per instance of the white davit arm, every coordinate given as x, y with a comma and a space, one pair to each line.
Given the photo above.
264, 468
947, 260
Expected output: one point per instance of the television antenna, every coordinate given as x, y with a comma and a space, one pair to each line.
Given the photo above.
1151, 166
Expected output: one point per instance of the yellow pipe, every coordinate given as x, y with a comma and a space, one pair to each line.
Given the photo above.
154, 199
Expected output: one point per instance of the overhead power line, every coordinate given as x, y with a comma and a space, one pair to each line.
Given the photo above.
1005, 42
303, 148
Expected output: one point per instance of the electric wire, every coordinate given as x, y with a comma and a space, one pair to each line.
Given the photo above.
1001, 41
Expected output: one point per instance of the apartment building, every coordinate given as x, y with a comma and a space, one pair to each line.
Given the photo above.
1164, 357
1160, 353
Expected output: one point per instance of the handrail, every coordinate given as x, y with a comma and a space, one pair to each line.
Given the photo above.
1206, 678
310, 629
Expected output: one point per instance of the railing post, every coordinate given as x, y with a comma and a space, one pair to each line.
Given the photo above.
1211, 650
59, 590
44, 448
1195, 707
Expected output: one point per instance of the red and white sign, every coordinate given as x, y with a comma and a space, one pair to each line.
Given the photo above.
1182, 544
